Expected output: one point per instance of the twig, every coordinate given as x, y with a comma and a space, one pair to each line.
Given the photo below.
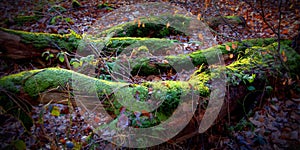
67, 61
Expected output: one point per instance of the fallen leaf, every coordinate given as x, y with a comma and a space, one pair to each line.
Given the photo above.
199, 16
168, 24
165, 61
200, 36
234, 46
55, 111
139, 23
227, 47
286, 31
283, 56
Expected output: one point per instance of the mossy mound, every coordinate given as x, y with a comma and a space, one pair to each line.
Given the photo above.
154, 26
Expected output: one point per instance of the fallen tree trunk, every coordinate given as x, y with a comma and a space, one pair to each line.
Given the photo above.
22, 45
252, 70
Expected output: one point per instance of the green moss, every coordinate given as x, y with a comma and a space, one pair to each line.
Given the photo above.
20, 20
15, 81
43, 40
142, 67
159, 47
153, 26
236, 18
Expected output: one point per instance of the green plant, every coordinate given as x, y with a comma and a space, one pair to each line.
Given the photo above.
48, 55
87, 60
55, 19
61, 56
242, 124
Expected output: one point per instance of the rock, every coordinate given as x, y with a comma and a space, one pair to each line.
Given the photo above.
294, 135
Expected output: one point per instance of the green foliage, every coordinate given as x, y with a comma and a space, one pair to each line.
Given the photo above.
20, 20
87, 60
67, 42
156, 26
61, 56
75, 4
48, 55
54, 20
241, 125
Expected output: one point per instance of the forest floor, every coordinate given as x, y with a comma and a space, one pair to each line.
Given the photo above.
273, 125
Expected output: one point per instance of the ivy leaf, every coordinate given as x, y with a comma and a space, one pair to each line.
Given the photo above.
61, 58
75, 64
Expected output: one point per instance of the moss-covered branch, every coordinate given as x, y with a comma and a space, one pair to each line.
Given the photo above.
13, 43
253, 70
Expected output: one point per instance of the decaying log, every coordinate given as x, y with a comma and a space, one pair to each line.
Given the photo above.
53, 80
25, 45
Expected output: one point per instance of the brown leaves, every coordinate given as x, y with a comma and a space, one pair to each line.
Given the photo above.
139, 22
200, 36
284, 58
234, 46
227, 47
199, 17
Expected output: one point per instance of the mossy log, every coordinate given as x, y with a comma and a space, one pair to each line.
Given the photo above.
25, 45
21, 45
159, 26
254, 70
